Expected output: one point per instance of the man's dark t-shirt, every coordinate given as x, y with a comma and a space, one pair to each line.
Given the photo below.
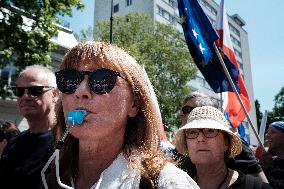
23, 158
275, 174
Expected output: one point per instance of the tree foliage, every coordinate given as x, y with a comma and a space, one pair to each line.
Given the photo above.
277, 113
164, 54
259, 114
26, 27
85, 35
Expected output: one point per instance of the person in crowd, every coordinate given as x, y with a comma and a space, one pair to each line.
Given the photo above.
193, 100
275, 167
117, 145
26, 154
207, 139
7, 131
245, 162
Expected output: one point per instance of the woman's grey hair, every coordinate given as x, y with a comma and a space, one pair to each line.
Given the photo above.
201, 99
49, 74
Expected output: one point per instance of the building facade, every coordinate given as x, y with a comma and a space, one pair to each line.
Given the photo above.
166, 11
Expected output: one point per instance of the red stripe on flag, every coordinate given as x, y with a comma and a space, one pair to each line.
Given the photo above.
233, 107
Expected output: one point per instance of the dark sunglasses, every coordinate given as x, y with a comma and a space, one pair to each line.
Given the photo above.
187, 109
100, 81
193, 133
33, 90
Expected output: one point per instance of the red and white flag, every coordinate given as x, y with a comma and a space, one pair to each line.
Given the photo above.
231, 105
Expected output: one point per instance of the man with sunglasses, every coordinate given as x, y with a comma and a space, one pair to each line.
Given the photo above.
25, 155
193, 100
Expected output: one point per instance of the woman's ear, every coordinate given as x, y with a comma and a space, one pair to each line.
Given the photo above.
227, 142
133, 109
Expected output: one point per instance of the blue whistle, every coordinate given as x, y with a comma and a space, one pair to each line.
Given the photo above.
76, 117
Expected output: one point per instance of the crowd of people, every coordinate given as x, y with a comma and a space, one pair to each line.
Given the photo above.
119, 142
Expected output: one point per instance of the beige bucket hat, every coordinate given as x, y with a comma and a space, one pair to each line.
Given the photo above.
211, 118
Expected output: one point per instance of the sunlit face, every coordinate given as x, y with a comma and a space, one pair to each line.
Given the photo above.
275, 139
107, 114
32, 107
202, 150
191, 102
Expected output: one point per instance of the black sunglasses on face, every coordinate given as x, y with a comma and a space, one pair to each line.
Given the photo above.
187, 109
100, 81
33, 90
193, 133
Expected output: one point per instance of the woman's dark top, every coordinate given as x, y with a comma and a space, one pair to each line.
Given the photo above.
249, 182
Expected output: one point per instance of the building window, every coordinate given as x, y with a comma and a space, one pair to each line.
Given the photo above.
128, 2
115, 8
166, 15
209, 7
173, 20
163, 13
8, 74
241, 65
234, 30
172, 3
238, 53
235, 41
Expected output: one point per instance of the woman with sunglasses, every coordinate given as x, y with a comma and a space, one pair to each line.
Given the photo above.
116, 146
208, 141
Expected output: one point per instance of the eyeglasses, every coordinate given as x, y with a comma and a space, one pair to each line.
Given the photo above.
33, 90
193, 133
187, 109
100, 81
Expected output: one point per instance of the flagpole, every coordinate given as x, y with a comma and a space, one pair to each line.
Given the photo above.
235, 90
111, 19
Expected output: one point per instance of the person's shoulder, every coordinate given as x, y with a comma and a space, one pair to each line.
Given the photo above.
246, 161
13, 143
278, 160
18, 138
255, 182
173, 177
46, 135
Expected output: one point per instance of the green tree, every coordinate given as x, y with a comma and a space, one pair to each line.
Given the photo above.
259, 114
277, 113
26, 27
85, 35
279, 105
162, 51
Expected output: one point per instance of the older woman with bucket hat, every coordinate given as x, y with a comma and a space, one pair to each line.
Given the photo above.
208, 141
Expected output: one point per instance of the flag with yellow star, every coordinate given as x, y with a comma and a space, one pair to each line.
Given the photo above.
200, 37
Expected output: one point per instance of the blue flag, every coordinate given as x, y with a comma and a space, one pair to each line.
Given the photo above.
200, 37
242, 131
